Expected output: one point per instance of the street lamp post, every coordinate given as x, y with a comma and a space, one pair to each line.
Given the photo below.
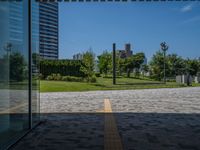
114, 63
8, 48
164, 48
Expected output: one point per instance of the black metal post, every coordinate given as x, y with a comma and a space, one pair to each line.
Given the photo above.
164, 48
164, 66
29, 65
114, 63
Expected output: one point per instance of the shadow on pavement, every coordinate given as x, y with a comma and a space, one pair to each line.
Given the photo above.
138, 131
145, 83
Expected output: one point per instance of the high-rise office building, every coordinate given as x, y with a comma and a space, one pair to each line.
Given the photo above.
48, 18
127, 52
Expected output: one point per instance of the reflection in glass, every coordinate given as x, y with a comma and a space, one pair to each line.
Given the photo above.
35, 63
14, 72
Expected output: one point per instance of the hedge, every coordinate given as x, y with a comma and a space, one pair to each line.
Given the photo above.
62, 67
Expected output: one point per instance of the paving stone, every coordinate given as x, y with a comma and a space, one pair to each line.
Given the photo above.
152, 119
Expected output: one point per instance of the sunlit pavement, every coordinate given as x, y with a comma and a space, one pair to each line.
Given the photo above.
177, 100
153, 119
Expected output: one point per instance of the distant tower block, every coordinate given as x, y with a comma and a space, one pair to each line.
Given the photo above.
128, 47
128, 50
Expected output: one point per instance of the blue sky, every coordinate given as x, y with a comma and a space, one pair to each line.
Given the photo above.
144, 25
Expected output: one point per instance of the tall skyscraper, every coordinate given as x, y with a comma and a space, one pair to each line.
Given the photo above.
16, 27
48, 30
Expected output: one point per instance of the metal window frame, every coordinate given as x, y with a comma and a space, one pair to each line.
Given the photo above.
30, 64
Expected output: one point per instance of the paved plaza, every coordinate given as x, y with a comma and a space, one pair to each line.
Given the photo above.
180, 100
152, 119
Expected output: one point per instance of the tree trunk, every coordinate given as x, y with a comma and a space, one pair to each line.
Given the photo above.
128, 73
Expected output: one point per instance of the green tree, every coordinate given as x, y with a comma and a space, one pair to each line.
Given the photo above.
145, 69
18, 71
88, 64
105, 62
129, 65
157, 65
192, 66
134, 62
120, 65
138, 60
176, 65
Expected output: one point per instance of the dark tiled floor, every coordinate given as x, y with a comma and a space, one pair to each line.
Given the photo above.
66, 132
156, 131
138, 131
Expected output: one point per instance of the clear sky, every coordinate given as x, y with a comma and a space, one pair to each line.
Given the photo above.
143, 24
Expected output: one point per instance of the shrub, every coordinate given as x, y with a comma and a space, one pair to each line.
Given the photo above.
56, 77
41, 77
172, 79
93, 79
72, 79
49, 77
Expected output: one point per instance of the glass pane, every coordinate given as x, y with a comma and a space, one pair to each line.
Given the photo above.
14, 71
35, 62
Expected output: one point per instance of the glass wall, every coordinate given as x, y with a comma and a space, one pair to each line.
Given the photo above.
15, 70
35, 63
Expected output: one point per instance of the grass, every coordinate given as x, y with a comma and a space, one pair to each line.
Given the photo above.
105, 84
21, 85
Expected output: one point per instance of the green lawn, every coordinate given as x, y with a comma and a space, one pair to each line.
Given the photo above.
22, 85
105, 84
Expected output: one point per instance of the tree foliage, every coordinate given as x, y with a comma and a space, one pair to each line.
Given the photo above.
134, 62
87, 66
120, 65
156, 64
18, 67
192, 66
175, 65
144, 69
105, 62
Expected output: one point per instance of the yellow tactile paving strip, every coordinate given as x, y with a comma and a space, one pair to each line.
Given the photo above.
112, 140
